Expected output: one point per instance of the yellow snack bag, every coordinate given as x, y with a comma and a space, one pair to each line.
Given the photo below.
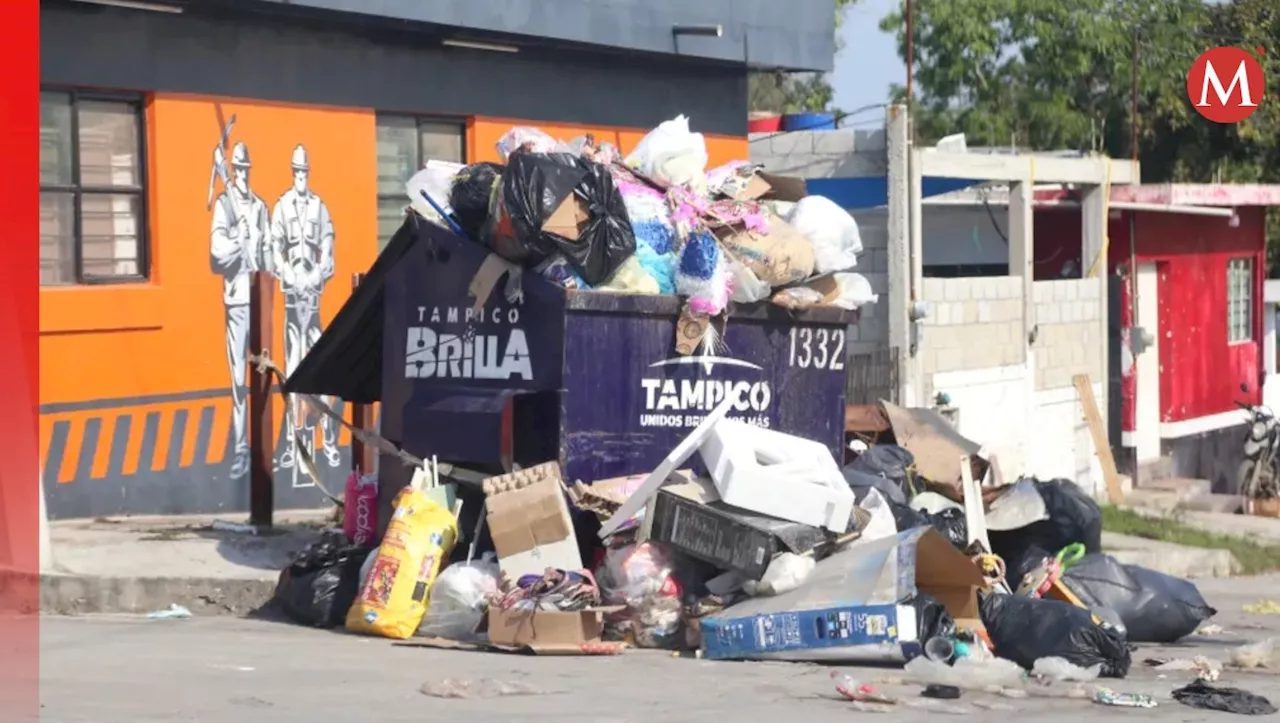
393, 598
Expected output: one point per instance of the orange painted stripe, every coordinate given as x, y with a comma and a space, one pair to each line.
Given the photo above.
71, 453
102, 455
344, 434
190, 435
133, 446
160, 457
46, 437
219, 431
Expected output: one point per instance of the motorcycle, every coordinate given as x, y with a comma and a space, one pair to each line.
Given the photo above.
1257, 475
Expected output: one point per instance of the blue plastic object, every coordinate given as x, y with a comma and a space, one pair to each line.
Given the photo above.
808, 122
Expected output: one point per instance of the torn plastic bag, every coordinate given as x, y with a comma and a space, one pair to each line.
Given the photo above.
1024, 629
472, 192
1073, 517
949, 522
558, 203
861, 482
932, 617
1199, 694
1154, 607
321, 584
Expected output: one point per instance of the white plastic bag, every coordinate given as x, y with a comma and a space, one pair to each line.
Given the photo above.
855, 291
437, 180
672, 155
785, 573
459, 598
831, 230
747, 287
538, 142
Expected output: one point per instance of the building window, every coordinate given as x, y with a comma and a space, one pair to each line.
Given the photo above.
92, 189
405, 144
1239, 300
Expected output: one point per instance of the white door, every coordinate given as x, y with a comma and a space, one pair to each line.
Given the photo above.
1147, 405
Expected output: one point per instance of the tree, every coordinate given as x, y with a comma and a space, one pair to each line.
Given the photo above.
780, 92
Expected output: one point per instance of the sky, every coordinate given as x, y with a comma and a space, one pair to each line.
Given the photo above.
869, 64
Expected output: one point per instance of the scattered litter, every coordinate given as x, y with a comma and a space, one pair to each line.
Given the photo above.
1205, 668
1058, 669
1200, 694
1255, 655
1105, 696
1209, 630
942, 692
1006, 692
966, 673
859, 693
173, 612
1263, 607
482, 688
239, 528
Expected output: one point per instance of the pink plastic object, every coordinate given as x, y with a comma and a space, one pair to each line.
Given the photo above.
360, 513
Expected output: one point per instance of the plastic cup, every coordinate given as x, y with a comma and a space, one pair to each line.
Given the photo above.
939, 649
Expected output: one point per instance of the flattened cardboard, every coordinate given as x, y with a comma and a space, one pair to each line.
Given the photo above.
783, 188
529, 522
854, 604
547, 632
568, 219
936, 445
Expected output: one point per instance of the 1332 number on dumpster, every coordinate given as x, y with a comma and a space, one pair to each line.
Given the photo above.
817, 348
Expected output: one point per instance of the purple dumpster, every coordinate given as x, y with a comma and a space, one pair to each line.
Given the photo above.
587, 378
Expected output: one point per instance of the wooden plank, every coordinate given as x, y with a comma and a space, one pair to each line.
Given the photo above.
1098, 431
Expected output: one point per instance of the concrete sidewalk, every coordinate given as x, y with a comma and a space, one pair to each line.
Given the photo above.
143, 564
1265, 530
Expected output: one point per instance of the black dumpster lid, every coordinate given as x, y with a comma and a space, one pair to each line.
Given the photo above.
346, 361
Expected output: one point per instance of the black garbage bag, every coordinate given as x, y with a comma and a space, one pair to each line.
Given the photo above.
1200, 694
932, 618
1018, 565
533, 187
950, 522
1154, 607
884, 467
1024, 629
861, 482
320, 586
471, 196
1073, 517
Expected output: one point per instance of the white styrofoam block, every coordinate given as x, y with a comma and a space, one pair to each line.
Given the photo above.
777, 474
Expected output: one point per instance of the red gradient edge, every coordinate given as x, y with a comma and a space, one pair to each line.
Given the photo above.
20, 513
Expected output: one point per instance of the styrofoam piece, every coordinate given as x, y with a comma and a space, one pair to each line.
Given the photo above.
975, 517
659, 475
777, 474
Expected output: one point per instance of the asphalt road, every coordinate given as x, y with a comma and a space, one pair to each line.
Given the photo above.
112, 669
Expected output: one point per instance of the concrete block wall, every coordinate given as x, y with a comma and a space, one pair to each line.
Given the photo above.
992, 404
873, 325
973, 323
1061, 446
1067, 316
841, 153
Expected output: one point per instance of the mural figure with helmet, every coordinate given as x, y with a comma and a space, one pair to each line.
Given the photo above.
238, 243
302, 259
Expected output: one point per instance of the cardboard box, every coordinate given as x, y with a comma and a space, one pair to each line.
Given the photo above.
550, 632
691, 518
854, 607
529, 521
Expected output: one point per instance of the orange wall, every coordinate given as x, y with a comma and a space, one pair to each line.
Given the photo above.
483, 135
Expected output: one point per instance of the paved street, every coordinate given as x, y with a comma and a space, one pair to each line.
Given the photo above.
103, 670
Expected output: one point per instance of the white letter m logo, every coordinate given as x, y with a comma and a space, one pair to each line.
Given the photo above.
1241, 78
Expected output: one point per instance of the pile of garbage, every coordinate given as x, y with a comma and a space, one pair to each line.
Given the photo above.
656, 221
775, 553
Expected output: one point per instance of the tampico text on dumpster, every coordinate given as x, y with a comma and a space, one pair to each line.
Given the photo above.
465, 353
685, 402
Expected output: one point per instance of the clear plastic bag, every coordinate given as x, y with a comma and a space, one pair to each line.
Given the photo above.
459, 598
671, 154
640, 578
437, 180
747, 287
832, 231
854, 291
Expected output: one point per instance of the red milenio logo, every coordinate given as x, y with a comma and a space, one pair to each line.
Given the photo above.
1226, 85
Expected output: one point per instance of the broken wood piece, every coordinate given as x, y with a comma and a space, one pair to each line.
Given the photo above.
1098, 431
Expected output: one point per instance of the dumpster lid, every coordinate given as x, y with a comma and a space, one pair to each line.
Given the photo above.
346, 361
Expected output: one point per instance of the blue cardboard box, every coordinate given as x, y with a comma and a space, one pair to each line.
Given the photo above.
854, 607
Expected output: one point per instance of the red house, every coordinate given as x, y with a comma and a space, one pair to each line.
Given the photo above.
1187, 264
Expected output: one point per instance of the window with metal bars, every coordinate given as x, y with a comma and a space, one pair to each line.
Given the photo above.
405, 144
93, 205
1239, 300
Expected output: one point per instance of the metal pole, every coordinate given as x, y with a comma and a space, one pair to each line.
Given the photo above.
910, 51
261, 409
362, 457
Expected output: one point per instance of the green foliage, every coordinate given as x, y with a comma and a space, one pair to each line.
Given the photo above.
1047, 74
779, 92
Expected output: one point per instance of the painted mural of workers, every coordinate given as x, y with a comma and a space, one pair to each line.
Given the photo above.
237, 248
302, 259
